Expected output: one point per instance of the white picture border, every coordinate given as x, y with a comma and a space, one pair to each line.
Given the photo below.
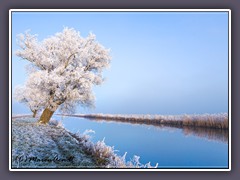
120, 10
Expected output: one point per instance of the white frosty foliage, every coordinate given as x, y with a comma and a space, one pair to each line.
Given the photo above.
65, 68
30, 96
105, 153
56, 123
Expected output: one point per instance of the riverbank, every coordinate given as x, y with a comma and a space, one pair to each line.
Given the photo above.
216, 121
37, 145
45, 146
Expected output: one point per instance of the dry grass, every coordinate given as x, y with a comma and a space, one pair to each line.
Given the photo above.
105, 155
217, 121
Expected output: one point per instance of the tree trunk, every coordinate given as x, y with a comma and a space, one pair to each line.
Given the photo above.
34, 113
46, 116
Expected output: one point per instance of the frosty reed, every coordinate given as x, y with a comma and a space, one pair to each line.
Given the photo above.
218, 121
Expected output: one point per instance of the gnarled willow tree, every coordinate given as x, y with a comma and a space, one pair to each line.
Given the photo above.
63, 70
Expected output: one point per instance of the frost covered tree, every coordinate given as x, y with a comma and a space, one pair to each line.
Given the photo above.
29, 97
64, 69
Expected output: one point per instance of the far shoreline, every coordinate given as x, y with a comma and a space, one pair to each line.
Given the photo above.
213, 121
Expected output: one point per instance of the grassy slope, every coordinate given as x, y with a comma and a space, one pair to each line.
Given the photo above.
45, 146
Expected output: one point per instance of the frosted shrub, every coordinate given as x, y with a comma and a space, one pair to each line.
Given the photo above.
56, 123
105, 156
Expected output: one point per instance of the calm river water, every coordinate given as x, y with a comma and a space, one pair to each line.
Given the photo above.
168, 146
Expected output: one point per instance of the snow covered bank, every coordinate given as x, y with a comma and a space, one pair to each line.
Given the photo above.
45, 146
51, 146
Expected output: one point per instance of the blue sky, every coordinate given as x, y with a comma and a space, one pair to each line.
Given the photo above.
162, 62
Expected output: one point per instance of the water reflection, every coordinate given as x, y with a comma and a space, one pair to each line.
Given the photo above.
207, 133
170, 146
211, 134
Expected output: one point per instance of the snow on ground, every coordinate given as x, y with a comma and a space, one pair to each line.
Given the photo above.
45, 146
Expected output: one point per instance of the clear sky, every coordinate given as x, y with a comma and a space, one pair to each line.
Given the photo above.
162, 62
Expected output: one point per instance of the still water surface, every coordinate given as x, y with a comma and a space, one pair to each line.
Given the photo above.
168, 146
